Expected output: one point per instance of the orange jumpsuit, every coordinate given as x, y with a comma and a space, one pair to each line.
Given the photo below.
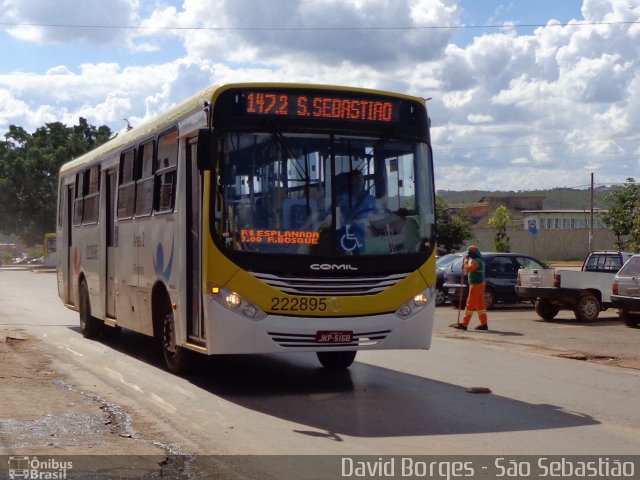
474, 267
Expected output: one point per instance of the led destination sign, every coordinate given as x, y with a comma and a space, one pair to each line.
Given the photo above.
319, 106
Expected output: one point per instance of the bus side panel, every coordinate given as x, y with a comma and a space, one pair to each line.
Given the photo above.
87, 240
157, 262
62, 272
126, 274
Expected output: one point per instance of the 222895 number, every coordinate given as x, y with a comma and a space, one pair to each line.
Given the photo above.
298, 304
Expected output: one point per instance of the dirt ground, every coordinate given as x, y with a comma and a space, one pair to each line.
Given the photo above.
41, 412
42, 415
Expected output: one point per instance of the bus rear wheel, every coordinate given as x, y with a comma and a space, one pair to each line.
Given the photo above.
336, 360
176, 358
90, 326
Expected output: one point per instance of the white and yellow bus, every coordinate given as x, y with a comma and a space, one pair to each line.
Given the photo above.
50, 255
221, 227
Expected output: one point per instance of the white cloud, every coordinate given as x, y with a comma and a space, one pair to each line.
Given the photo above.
86, 14
479, 118
508, 111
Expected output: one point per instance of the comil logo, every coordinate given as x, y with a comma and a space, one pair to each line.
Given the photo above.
332, 266
37, 469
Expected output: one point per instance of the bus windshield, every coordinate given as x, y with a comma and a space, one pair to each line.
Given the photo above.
323, 194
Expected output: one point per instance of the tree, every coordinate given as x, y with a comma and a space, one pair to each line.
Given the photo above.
622, 214
29, 165
453, 229
499, 221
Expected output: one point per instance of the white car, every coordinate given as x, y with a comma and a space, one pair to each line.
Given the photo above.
626, 292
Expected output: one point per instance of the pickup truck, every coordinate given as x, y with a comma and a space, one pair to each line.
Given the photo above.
586, 291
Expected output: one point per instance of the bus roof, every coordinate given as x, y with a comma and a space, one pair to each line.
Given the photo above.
190, 106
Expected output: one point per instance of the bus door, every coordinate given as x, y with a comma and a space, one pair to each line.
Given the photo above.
195, 321
112, 243
68, 245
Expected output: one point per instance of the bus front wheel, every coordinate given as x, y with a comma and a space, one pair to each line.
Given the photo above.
90, 326
176, 358
336, 360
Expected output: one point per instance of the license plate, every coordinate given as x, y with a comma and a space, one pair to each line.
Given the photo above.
535, 279
334, 336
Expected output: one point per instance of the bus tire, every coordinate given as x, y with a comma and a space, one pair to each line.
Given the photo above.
176, 358
90, 326
111, 333
336, 360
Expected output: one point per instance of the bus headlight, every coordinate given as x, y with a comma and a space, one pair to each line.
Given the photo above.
415, 305
234, 302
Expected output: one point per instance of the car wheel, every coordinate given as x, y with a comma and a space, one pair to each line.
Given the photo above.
587, 309
440, 297
546, 310
629, 319
489, 298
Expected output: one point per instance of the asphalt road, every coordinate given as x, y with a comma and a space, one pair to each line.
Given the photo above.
607, 340
542, 399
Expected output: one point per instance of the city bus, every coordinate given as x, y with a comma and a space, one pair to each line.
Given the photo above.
50, 256
222, 226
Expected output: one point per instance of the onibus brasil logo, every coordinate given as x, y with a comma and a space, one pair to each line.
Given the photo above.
35, 468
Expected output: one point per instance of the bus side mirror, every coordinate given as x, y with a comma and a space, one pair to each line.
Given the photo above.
205, 150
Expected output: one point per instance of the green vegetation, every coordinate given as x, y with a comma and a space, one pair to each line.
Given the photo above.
555, 198
6, 258
452, 228
499, 221
623, 215
29, 165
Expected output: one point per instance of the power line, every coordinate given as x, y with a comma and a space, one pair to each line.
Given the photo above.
316, 29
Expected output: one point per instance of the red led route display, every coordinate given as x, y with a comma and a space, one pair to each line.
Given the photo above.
301, 105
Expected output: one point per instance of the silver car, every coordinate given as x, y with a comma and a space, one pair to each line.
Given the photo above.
626, 292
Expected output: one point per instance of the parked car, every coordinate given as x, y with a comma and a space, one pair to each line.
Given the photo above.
443, 264
586, 291
625, 292
501, 272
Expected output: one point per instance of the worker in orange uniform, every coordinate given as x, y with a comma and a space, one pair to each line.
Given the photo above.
473, 266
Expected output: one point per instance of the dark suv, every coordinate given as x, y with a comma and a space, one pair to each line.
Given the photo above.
443, 265
501, 273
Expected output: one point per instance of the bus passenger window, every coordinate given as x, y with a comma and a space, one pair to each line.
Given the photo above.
92, 195
165, 171
126, 190
78, 202
144, 186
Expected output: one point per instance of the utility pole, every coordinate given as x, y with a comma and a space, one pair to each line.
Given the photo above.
591, 218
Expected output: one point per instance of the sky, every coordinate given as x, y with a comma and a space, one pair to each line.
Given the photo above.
524, 94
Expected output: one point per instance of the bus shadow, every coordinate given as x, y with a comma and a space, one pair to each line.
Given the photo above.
370, 401
363, 401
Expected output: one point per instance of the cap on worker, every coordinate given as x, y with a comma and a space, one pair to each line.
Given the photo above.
473, 251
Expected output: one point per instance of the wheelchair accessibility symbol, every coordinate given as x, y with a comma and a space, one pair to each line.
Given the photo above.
350, 241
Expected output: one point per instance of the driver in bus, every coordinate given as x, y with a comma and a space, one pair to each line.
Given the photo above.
355, 202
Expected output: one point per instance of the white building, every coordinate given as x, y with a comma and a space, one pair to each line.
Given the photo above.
537, 220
